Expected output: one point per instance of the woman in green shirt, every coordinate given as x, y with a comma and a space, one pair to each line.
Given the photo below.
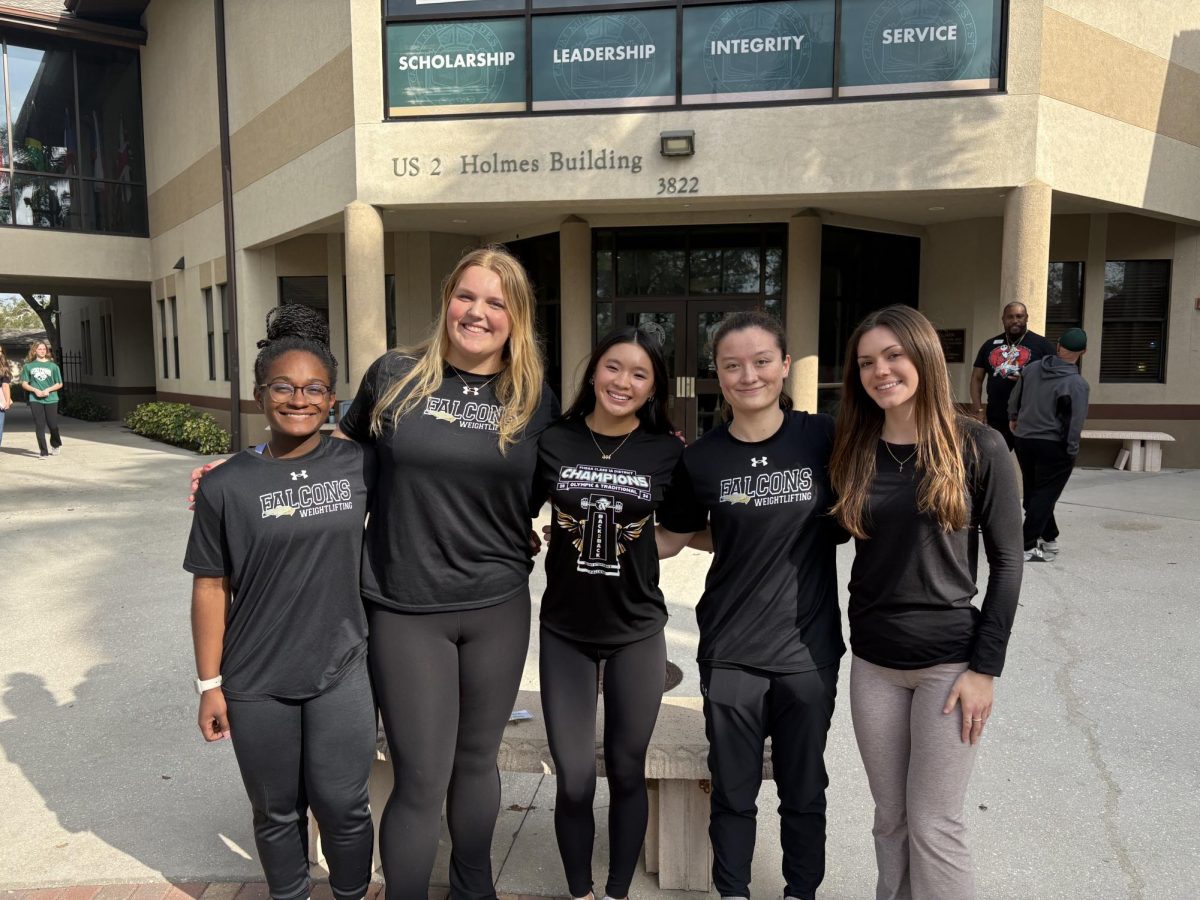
42, 380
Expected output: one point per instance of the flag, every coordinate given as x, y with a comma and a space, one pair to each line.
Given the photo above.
97, 157
124, 157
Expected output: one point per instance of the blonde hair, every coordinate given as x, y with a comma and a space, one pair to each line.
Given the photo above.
942, 433
32, 355
519, 387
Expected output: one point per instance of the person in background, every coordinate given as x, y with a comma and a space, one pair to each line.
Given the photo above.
1046, 413
1000, 360
770, 628
278, 624
5, 391
914, 479
606, 466
42, 380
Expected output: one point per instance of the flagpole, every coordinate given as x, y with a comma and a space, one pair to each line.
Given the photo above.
232, 349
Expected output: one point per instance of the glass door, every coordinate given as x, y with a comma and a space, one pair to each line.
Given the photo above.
667, 321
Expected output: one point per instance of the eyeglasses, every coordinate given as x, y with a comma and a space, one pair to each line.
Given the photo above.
281, 391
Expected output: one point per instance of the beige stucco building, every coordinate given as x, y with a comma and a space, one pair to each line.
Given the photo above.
1068, 177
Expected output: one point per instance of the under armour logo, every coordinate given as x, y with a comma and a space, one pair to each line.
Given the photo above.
303, 473
756, 461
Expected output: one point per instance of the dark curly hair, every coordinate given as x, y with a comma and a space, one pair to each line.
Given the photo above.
295, 327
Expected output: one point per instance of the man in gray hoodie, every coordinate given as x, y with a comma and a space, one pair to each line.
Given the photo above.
1046, 413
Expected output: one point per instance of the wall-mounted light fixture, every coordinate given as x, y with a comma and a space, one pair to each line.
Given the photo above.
677, 143
179, 264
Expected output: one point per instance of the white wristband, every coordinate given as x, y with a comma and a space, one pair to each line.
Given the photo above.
207, 684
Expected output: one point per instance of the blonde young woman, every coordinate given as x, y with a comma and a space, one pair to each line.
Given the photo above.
914, 480
453, 423
42, 380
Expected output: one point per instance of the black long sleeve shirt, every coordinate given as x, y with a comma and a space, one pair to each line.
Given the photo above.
912, 583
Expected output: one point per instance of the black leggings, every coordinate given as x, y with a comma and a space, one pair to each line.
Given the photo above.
634, 675
445, 683
300, 753
45, 415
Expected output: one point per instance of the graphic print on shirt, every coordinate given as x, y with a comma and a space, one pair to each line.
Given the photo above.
596, 534
768, 488
41, 374
315, 499
1007, 360
471, 414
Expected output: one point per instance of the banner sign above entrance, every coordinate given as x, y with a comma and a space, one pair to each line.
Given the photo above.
441, 7
456, 68
604, 60
918, 46
755, 52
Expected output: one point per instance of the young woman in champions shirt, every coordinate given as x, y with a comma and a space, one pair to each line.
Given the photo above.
606, 465
453, 426
770, 629
277, 619
914, 477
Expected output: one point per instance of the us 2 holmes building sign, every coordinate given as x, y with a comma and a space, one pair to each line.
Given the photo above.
738, 53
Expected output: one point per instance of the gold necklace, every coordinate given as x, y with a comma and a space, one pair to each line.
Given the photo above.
899, 462
604, 455
473, 390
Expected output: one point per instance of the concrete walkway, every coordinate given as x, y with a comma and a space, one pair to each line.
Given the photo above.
1088, 784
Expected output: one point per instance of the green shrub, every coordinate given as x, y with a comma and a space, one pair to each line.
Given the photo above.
181, 425
82, 405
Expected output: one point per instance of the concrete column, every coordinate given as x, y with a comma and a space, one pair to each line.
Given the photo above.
1025, 257
803, 306
575, 286
1093, 293
366, 323
338, 341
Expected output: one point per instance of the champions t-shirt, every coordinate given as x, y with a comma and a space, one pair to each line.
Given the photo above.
288, 533
450, 524
602, 563
1002, 360
770, 599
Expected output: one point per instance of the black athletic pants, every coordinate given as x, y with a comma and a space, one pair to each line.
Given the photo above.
445, 682
296, 754
743, 707
1045, 470
634, 676
45, 415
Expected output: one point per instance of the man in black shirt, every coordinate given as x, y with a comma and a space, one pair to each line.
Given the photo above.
1000, 360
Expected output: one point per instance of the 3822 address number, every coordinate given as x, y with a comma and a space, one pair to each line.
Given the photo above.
685, 185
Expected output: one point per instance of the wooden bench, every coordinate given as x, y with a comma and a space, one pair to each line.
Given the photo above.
1142, 450
677, 846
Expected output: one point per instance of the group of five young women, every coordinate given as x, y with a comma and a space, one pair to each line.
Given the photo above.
457, 443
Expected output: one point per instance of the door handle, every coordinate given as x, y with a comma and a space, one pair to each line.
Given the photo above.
685, 387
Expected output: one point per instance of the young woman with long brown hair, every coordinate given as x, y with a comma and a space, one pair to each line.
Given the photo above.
453, 423
41, 380
770, 629
914, 479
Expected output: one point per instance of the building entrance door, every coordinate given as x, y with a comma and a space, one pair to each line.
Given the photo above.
685, 329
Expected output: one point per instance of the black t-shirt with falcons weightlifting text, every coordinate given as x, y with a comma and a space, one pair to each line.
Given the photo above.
602, 563
450, 522
288, 533
770, 599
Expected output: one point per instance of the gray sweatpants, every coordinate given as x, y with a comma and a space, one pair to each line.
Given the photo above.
918, 768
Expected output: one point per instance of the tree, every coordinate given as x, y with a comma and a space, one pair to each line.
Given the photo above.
45, 307
16, 314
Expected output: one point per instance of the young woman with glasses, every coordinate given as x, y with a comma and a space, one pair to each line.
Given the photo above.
277, 619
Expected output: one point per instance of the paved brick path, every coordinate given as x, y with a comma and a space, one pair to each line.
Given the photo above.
225, 890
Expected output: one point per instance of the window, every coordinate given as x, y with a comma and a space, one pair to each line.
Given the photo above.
212, 338
174, 332
1133, 345
85, 343
71, 155
162, 330
1064, 299
106, 344
225, 351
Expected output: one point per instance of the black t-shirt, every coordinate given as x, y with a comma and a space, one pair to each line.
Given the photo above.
289, 534
770, 599
449, 527
1002, 360
602, 563
912, 583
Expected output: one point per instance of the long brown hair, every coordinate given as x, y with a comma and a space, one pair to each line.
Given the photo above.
519, 387
32, 355
942, 433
